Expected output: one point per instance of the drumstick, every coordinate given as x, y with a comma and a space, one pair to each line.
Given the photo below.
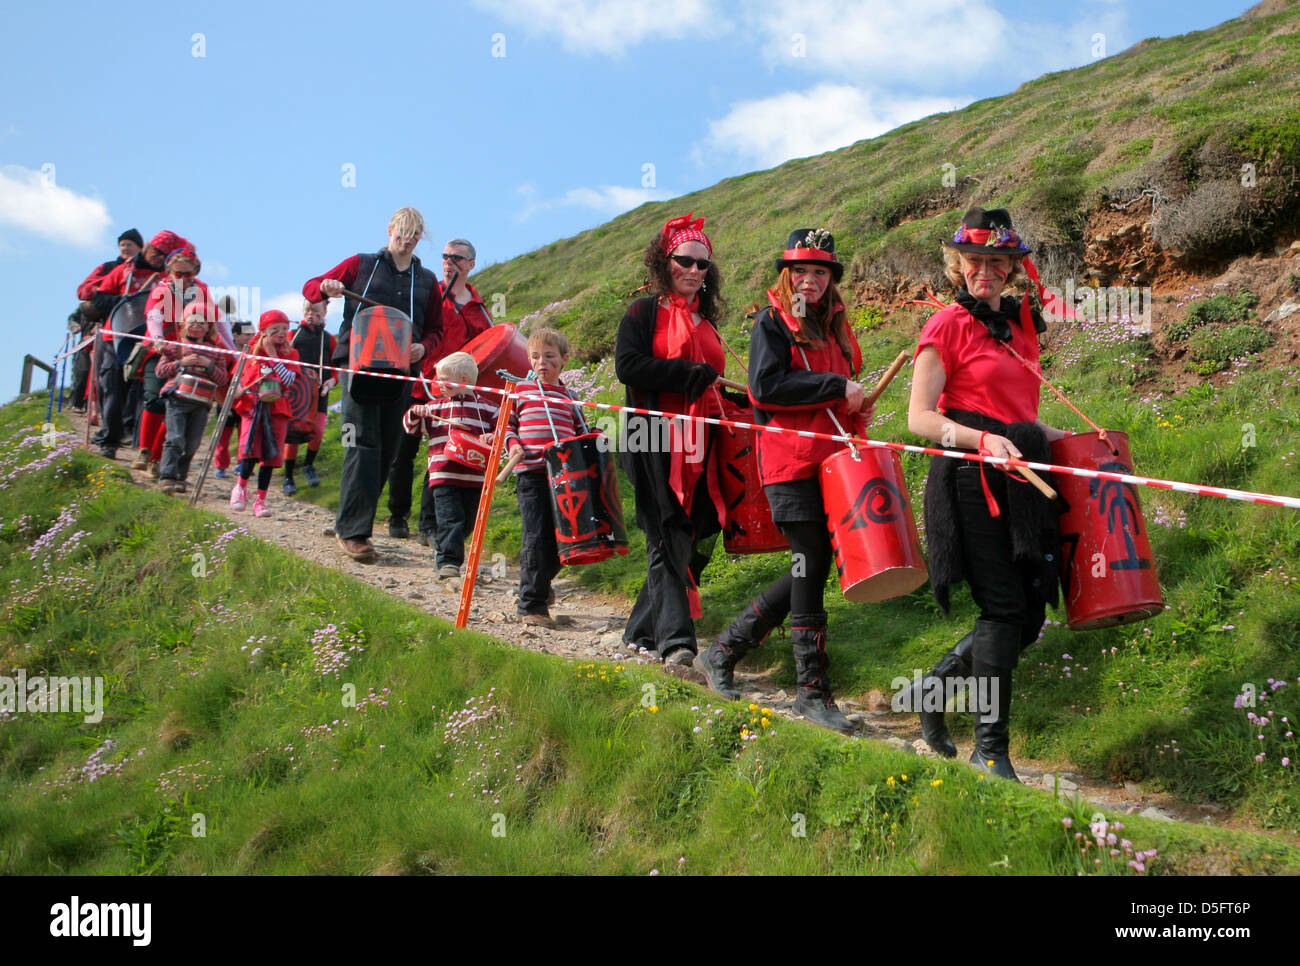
510, 465
464, 427
364, 300
732, 384
888, 377
1037, 480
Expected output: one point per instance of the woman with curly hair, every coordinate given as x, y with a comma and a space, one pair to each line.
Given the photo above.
803, 366
669, 357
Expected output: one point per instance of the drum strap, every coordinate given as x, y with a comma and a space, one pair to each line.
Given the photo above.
411, 313
829, 412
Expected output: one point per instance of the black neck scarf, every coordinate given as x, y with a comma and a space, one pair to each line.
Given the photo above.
998, 321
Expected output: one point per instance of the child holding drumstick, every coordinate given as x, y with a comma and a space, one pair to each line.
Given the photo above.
449, 501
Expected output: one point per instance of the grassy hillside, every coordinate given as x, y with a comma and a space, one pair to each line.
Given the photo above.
1177, 117
262, 715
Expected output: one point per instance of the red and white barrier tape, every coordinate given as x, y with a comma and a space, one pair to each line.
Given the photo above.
1197, 489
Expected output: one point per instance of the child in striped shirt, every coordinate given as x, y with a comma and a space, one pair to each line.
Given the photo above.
451, 490
543, 414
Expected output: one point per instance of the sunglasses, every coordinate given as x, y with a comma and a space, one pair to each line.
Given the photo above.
183, 274
685, 261
454, 258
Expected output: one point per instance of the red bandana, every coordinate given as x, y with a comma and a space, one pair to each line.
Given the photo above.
682, 229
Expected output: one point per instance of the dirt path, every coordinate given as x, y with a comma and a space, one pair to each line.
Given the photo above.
591, 628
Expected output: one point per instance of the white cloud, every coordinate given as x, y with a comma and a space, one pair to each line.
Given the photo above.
884, 40
931, 43
290, 303
607, 27
608, 199
32, 200
769, 131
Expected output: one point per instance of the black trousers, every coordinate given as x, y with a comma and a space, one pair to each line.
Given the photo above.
371, 433
539, 560
661, 617
112, 398
402, 474
457, 508
1004, 591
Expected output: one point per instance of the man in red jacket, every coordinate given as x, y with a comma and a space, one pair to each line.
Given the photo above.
129, 244
463, 317
372, 424
126, 279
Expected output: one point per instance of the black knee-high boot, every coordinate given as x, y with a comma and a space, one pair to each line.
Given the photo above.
995, 652
812, 665
748, 631
954, 664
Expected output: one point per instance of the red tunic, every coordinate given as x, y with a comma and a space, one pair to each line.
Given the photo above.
981, 376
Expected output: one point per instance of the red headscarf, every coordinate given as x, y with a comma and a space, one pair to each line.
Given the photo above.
682, 229
166, 241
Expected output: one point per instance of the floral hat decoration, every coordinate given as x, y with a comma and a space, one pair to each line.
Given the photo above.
989, 232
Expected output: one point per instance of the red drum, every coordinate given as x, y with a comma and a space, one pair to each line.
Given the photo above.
872, 530
1106, 562
500, 347
585, 500
303, 395
467, 450
196, 388
748, 527
380, 343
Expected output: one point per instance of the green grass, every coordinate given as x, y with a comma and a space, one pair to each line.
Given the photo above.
433, 750
1048, 150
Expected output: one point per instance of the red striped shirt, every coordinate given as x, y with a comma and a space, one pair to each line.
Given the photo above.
472, 410
541, 417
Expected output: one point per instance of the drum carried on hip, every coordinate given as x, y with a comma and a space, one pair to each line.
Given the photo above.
500, 347
195, 389
379, 345
467, 450
127, 318
1106, 563
873, 533
303, 395
749, 527
585, 500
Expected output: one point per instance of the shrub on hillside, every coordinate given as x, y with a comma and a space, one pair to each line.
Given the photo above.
1221, 309
1213, 350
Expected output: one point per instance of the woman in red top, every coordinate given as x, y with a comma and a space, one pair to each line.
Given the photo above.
264, 408
989, 528
803, 364
668, 357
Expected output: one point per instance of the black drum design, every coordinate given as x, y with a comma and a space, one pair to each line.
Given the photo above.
585, 500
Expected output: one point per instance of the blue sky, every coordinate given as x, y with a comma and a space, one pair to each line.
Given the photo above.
509, 122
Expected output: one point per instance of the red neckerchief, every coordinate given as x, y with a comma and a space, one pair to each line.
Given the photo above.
683, 343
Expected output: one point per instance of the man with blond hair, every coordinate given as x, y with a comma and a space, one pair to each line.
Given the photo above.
372, 425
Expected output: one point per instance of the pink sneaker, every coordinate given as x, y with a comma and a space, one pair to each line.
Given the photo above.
238, 496
259, 507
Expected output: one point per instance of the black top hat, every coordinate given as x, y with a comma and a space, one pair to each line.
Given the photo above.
989, 232
811, 245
